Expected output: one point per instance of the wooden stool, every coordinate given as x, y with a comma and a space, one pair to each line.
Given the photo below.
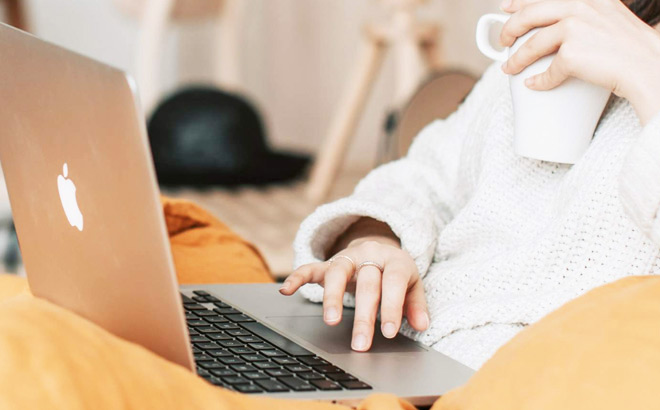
154, 16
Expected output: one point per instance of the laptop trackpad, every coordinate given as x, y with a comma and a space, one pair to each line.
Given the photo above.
337, 339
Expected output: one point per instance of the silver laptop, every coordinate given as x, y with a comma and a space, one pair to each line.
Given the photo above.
85, 203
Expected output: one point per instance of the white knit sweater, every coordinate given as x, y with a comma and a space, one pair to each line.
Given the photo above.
501, 240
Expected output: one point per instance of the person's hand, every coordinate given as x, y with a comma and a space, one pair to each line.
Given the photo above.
599, 41
398, 289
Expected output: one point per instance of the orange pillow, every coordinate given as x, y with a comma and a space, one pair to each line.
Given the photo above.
600, 351
206, 251
54, 359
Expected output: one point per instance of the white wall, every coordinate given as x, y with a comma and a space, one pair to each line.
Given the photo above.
297, 55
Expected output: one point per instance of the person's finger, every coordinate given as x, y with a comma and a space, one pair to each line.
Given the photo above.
367, 296
310, 273
545, 42
541, 14
512, 6
416, 308
394, 288
556, 74
334, 286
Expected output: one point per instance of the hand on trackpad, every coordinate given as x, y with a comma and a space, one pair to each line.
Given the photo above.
337, 339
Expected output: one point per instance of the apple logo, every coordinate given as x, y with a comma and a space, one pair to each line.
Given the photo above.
67, 190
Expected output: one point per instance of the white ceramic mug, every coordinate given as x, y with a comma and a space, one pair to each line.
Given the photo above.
555, 125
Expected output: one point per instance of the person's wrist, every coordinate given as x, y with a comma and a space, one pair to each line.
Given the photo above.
381, 239
642, 89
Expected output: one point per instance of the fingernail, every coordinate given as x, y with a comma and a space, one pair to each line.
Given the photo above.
360, 342
529, 82
285, 286
331, 315
425, 320
505, 4
389, 330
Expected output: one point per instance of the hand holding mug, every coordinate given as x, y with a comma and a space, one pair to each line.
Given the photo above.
599, 41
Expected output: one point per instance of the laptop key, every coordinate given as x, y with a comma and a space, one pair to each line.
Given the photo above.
261, 346
328, 368
231, 343
203, 313
355, 385
326, 385
298, 368
201, 372
243, 368
208, 346
238, 332
235, 380
215, 319
340, 377
254, 357
226, 311
194, 307
222, 305
208, 329
279, 373
312, 361
197, 339
200, 299
249, 388
272, 353
285, 360
249, 339
231, 360
185, 299
310, 376
241, 350
266, 365
226, 326
223, 372
195, 323
200, 293
296, 384
212, 365
276, 339
239, 318
218, 336
203, 358
220, 353
256, 375
272, 386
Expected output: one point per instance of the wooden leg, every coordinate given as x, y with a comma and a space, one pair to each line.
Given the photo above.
149, 50
429, 41
227, 70
333, 149
16, 14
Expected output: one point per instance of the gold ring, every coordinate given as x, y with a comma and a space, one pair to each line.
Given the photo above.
369, 263
334, 258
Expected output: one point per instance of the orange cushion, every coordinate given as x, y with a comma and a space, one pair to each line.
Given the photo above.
206, 251
54, 359
600, 351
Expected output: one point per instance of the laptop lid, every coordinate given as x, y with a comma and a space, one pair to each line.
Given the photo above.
84, 196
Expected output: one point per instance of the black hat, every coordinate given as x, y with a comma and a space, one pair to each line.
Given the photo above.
203, 136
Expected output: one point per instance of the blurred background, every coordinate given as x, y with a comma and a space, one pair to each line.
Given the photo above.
298, 63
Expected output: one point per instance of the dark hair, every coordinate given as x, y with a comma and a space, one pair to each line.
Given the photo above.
647, 10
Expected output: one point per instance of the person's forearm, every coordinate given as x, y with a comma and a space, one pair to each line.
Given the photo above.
365, 229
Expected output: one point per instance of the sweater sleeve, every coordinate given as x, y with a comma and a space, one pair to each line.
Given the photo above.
639, 183
416, 195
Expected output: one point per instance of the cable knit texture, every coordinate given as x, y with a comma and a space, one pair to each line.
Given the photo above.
501, 240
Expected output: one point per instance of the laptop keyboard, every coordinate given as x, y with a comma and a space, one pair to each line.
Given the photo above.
234, 351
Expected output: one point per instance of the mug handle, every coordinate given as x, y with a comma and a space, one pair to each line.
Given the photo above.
483, 36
